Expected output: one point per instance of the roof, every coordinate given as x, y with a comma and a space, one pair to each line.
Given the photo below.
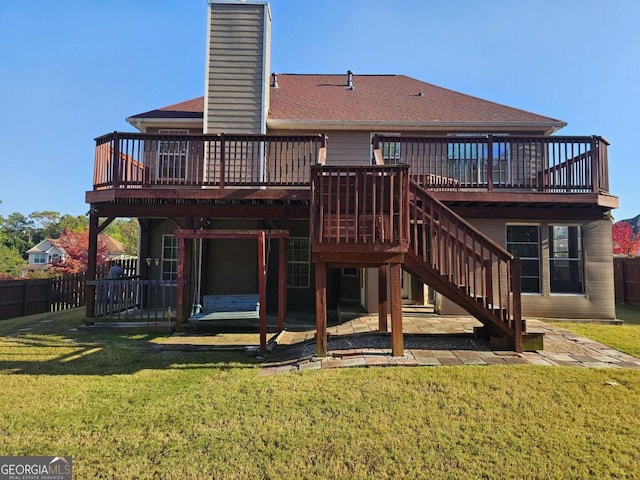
190, 109
48, 244
113, 245
44, 246
323, 101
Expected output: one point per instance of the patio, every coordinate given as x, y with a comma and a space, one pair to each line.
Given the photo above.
433, 340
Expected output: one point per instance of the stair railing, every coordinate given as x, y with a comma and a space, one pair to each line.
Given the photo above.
466, 257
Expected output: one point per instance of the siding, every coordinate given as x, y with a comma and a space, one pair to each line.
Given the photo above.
231, 266
598, 300
344, 148
237, 68
353, 148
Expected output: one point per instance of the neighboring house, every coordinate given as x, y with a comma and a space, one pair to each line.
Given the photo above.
206, 176
42, 255
47, 253
115, 248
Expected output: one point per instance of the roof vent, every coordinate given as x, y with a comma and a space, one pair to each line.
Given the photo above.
420, 94
274, 80
350, 85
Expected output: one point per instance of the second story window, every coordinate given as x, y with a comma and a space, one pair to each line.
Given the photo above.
39, 258
389, 149
173, 156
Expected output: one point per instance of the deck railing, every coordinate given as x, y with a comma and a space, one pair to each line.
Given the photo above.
137, 160
134, 299
359, 205
493, 162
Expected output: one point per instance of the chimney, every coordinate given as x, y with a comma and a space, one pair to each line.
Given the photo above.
237, 67
350, 85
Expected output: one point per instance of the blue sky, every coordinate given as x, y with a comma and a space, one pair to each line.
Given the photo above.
72, 70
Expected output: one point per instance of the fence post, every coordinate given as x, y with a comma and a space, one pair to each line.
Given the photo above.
25, 297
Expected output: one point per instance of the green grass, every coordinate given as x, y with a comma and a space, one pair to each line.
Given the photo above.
625, 338
123, 412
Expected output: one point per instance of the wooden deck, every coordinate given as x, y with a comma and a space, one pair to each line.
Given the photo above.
188, 173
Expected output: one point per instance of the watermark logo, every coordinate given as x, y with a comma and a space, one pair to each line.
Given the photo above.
35, 468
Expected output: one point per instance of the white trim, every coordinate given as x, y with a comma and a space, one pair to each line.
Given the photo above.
142, 124
236, 2
205, 113
404, 126
265, 74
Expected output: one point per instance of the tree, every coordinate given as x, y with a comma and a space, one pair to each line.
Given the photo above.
76, 247
75, 224
624, 240
18, 232
11, 262
125, 231
45, 224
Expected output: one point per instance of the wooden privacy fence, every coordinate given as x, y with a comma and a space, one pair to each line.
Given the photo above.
626, 274
19, 298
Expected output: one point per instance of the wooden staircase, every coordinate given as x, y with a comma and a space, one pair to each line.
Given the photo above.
374, 216
457, 260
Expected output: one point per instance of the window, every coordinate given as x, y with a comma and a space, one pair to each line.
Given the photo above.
468, 160
173, 156
298, 266
565, 259
524, 241
40, 258
349, 272
391, 152
169, 258
389, 149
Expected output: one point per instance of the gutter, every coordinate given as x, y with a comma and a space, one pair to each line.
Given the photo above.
322, 125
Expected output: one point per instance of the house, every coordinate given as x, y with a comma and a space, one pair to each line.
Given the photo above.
47, 253
40, 256
361, 188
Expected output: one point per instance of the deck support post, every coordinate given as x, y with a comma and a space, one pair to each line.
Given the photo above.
187, 281
282, 282
397, 340
262, 290
180, 306
321, 309
383, 305
92, 260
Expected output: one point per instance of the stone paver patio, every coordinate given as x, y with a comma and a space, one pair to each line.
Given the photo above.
433, 340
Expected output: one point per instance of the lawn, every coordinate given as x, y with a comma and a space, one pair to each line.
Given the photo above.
625, 338
123, 411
